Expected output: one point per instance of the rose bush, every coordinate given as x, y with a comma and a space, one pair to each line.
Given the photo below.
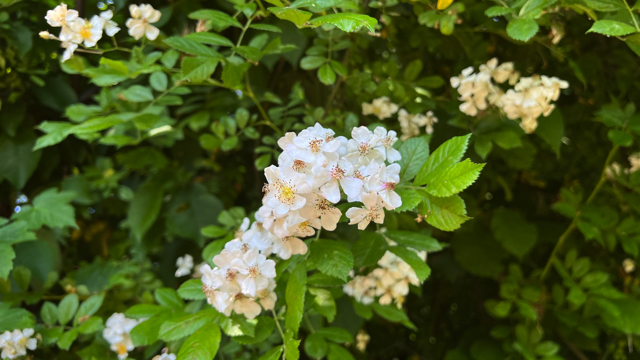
266, 179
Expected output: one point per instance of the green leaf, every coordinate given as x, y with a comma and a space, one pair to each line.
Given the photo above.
337, 352
265, 27
515, 233
49, 313
453, 179
347, 22
294, 296
611, 28
593, 279
522, 29
249, 52
6, 260
312, 62
142, 311
605, 5
210, 39
369, 248
332, 258
620, 138
138, 93
198, 69
410, 257
445, 155
183, 326
146, 332
169, 298
393, 314
50, 208
56, 131
158, 81
413, 70
410, 199
17, 159
17, 231
291, 345
65, 341
89, 306
414, 240
326, 75
415, 153
217, 17
551, 130
82, 112
316, 346
191, 290
191, 47
232, 73
296, 16
336, 334
446, 214
547, 348
201, 345
229, 143
67, 308
264, 328
145, 206
324, 303
91, 325
497, 11
273, 354
14, 318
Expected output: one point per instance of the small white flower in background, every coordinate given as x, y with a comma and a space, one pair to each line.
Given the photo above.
60, 16
634, 160
629, 266
110, 26
184, 264
362, 339
15, 343
117, 332
613, 170
431, 119
165, 355
142, 16
197, 270
381, 107
385, 184
530, 98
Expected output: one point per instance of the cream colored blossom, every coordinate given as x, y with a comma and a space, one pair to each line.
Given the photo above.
142, 16
381, 107
60, 16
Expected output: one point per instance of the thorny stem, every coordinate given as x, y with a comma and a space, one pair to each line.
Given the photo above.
574, 222
633, 17
275, 317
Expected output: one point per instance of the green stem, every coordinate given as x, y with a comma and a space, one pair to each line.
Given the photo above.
262, 7
574, 222
267, 121
275, 317
244, 30
633, 17
308, 321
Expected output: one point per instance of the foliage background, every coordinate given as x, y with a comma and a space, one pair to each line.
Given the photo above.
484, 299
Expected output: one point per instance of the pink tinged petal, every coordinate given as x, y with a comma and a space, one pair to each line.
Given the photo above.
151, 32
394, 199
370, 200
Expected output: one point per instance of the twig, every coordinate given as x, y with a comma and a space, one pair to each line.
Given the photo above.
573, 225
579, 354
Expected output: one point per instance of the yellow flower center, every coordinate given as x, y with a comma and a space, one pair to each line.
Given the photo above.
121, 349
315, 145
85, 32
287, 194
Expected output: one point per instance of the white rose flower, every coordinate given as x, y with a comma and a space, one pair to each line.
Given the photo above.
142, 16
